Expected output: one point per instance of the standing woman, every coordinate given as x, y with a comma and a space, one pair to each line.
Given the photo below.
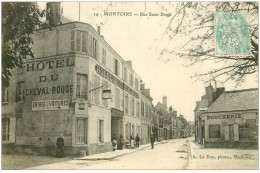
60, 147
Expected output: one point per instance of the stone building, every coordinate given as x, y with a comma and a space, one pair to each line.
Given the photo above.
76, 85
232, 120
210, 96
146, 112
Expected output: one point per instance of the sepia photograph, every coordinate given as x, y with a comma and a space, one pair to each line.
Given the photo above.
127, 85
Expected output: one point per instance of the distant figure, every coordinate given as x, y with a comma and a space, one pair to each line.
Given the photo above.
114, 142
137, 140
152, 140
60, 147
120, 143
132, 141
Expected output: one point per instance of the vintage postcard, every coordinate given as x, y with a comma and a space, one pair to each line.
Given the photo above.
129, 85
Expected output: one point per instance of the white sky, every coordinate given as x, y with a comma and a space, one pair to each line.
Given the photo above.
139, 39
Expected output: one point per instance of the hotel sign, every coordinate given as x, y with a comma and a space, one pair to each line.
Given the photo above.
111, 78
50, 105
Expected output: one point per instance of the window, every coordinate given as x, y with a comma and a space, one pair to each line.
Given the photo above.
104, 55
133, 129
5, 129
142, 108
116, 67
214, 131
133, 106
136, 85
95, 48
126, 103
5, 95
82, 86
81, 41
72, 40
81, 130
131, 80
97, 91
20, 91
101, 131
117, 99
146, 110
137, 108
125, 74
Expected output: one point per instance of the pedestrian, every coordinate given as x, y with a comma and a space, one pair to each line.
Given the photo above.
152, 140
60, 147
114, 142
132, 141
137, 140
120, 143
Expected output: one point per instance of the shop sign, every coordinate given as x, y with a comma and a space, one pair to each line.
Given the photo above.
225, 116
50, 105
111, 78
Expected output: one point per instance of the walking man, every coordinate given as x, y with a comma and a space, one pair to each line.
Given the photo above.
152, 140
137, 140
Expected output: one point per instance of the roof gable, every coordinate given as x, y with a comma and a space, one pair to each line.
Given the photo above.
236, 100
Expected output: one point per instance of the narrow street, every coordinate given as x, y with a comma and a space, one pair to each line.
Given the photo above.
174, 154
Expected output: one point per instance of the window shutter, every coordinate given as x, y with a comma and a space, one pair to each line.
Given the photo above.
226, 132
98, 51
90, 45
12, 129
236, 132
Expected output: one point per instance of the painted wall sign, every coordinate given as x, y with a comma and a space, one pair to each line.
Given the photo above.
50, 105
58, 63
49, 90
111, 78
232, 116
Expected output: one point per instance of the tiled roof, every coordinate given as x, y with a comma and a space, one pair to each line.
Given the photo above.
204, 103
236, 100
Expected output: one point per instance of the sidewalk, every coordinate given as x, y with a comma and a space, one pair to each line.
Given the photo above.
201, 158
114, 154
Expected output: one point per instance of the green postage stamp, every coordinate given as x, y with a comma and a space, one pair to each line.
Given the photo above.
232, 34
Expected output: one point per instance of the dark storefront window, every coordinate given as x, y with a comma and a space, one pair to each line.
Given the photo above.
214, 131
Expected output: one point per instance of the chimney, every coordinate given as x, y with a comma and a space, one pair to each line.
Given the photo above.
98, 30
53, 10
147, 91
164, 101
209, 93
142, 86
129, 63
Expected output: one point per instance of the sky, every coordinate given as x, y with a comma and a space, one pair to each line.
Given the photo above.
139, 39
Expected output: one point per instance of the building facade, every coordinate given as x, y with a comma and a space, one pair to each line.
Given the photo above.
232, 120
61, 90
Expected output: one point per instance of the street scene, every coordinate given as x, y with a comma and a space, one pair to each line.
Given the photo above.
129, 85
172, 154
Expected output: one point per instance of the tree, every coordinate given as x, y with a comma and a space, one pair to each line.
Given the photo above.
19, 20
193, 22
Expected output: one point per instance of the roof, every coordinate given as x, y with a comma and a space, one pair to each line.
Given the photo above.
161, 106
236, 100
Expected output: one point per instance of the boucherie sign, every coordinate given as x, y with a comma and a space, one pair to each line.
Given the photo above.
50, 105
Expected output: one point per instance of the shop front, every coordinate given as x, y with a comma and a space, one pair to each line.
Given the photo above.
231, 129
